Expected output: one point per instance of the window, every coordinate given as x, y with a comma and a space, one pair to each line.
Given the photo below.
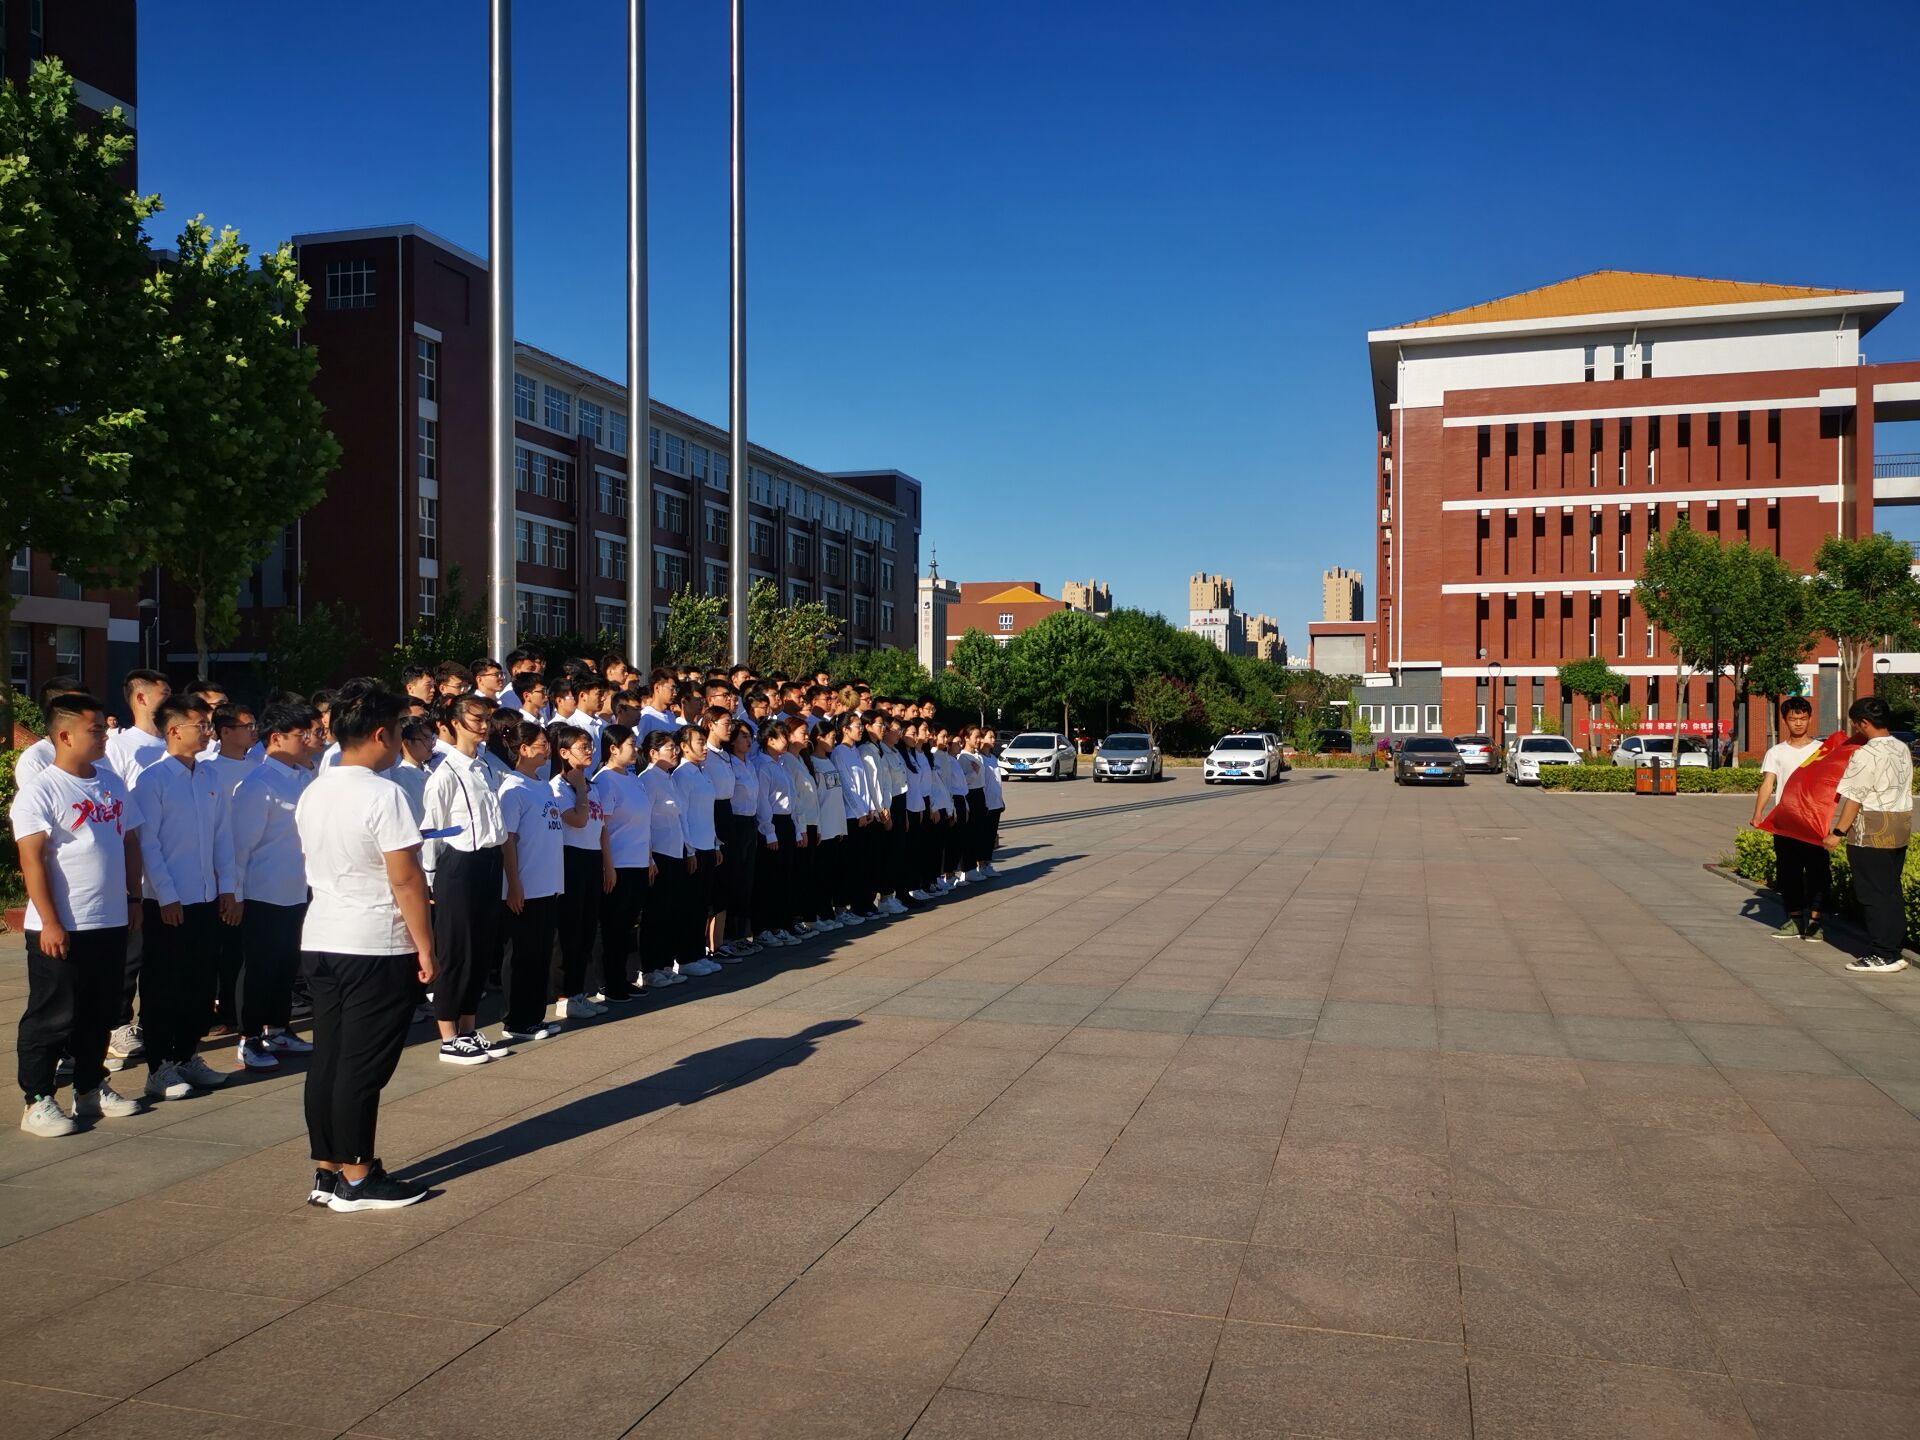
760, 538
429, 597
1406, 719
68, 641
559, 413
886, 615
716, 525
617, 433
1006, 622
1646, 359
886, 534
669, 571
613, 493
592, 421
862, 612
1593, 628
715, 577
653, 447
544, 614
1593, 543
1480, 710
523, 397
675, 452
537, 543
1620, 637
429, 528
836, 602
349, 284
886, 575
798, 546
1626, 529
426, 366
862, 568
1432, 723
612, 558
1626, 444
796, 593
1589, 370
540, 474
701, 462
830, 562
1649, 639
669, 512
612, 618
1620, 362
760, 486
22, 569
429, 459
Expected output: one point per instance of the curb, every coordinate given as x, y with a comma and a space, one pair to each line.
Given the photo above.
1832, 922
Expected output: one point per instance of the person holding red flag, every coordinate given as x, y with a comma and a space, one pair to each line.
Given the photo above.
1802, 868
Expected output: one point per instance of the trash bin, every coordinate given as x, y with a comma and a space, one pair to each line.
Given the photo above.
1655, 780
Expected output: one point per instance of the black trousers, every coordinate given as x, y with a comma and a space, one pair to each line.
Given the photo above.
578, 915
270, 940
620, 911
831, 888
72, 1006
993, 831
932, 847
664, 921
362, 1005
899, 856
228, 954
1876, 885
1802, 874
530, 966
741, 845
177, 980
957, 834
130, 978
979, 828
466, 928
702, 887
775, 876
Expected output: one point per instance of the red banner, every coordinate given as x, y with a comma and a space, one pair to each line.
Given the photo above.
1804, 807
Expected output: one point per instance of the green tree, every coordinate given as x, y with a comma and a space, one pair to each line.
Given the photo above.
1763, 614
890, 671
695, 633
1225, 711
235, 444
978, 675
1064, 662
1595, 682
455, 631
1362, 734
1863, 594
1681, 579
78, 311
793, 639
1772, 677
1161, 702
309, 651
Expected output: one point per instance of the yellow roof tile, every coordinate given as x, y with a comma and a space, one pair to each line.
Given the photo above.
1608, 291
1018, 595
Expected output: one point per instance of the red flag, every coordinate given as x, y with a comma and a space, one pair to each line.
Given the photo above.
1804, 808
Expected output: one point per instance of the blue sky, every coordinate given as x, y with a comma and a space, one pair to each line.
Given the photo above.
1098, 274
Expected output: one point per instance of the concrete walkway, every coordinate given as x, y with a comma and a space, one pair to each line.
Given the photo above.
1324, 1110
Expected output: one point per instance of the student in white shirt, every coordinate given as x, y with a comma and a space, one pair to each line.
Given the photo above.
489, 680
229, 760
694, 787
463, 857
627, 811
270, 882
657, 714
979, 827
76, 828
665, 931
132, 748
995, 792
586, 866
534, 867
739, 841
827, 901
1802, 871
780, 838
39, 755
417, 756
186, 851
367, 946
812, 890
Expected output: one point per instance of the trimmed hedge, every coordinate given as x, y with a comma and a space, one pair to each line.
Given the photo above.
1618, 779
1752, 859
13, 890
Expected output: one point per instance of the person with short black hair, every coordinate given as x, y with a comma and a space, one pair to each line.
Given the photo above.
230, 759
451, 680
418, 738
533, 865
270, 882
587, 874
1802, 871
417, 682
488, 679
664, 927
1875, 821
134, 747
464, 834
367, 944
76, 826
627, 810
39, 755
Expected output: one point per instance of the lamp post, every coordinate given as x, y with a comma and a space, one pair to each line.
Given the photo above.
1714, 616
1495, 711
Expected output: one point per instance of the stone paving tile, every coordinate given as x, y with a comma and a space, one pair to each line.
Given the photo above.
867, 1325
1370, 1294
730, 1399
972, 1415
1100, 1265
1788, 1412
36, 1413
1272, 1379
1321, 1217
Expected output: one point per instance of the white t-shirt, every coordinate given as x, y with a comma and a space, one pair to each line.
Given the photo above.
587, 836
85, 822
1782, 760
532, 816
131, 750
627, 808
35, 758
349, 821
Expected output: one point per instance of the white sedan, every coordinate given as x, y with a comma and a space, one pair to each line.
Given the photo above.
1645, 749
1249, 756
1526, 755
1039, 755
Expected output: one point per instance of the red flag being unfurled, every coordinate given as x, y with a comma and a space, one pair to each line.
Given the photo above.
1803, 809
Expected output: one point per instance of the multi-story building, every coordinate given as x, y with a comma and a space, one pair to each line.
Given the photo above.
1211, 615
1342, 596
1000, 608
400, 319
1092, 596
1260, 637
1529, 448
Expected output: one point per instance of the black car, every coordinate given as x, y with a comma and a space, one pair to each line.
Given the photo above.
1429, 759
1333, 742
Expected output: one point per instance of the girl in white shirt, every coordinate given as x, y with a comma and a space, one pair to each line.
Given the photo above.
740, 842
586, 866
996, 793
626, 808
939, 814
663, 924
780, 838
533, 878
694, 786
946, 750
809, 904
833, 879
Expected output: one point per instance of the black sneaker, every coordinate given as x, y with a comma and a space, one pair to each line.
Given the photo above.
379, 1191
524, 1037
1878, 964
324, 1182
461, 1050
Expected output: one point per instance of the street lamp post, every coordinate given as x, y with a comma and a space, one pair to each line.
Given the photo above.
1495, 711
1714, 615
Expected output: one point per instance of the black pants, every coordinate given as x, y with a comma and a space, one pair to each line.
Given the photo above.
993, 831
530, 968
578, 915
620, 911
270, 937
932, 847
957, 833
72, 1006
737, 877
362, 1005
979, 828
900, 843
177, 980
774, 878
702, 887
663, 922
466, 928
1876, 884
830, 889
130, 977
228, 953
1802, 873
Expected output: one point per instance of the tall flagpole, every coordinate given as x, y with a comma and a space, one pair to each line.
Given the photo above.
639, 410
737, 386
502, 599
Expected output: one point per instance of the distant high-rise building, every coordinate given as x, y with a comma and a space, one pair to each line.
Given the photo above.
1209, 592
1260, 637
1092, 596
1342, 595
1211, 616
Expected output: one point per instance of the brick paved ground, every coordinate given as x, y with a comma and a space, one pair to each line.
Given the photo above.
1327, 1110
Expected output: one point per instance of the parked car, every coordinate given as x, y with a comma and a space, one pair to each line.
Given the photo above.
1039, 755
1250, 756
1644, 749
1333, 742
1477, 753
1526, 755
1910, 740
1424, 759
1128, 756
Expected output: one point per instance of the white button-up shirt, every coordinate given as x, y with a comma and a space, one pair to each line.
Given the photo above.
186, 847
463, 795
268, 863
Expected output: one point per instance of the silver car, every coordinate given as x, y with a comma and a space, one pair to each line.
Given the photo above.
1476, 753
1038, 755
1127, 756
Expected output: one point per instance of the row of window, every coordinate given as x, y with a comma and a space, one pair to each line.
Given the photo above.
1406, 719
542, 474
68, 651
558, 410
535, 542
63, 588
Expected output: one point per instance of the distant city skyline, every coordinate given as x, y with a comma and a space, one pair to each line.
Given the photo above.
1072, 253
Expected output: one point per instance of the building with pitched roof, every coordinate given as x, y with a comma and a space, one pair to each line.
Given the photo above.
1528, 448
1000, 608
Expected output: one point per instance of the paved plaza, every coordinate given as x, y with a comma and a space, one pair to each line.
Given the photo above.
1323, 1110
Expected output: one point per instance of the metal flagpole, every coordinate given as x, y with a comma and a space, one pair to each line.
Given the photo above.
502, 598
737, 387
639, 411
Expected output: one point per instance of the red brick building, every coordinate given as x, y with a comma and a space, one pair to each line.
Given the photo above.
1000, 608
1528, 448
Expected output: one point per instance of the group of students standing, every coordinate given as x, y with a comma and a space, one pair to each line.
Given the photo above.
381, 857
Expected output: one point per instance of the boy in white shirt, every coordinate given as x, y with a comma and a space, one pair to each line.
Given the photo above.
1802, 872
230, 759
270, 881
75, 825
133, 747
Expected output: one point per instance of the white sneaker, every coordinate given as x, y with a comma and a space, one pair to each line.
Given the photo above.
167, 1084
577, 1007
892, 906
850, 918
957, 881
125, 1045
700, 967
288, 1043
104, 1103
45, 1117
196, 1071
254, 1054
988, 871
942, 885
660, 979
785, 937
918, 895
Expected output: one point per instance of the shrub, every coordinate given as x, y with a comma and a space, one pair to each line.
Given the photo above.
1752, 859
1618, 779
13, 890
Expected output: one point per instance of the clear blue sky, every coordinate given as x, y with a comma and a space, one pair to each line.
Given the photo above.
1098, 274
